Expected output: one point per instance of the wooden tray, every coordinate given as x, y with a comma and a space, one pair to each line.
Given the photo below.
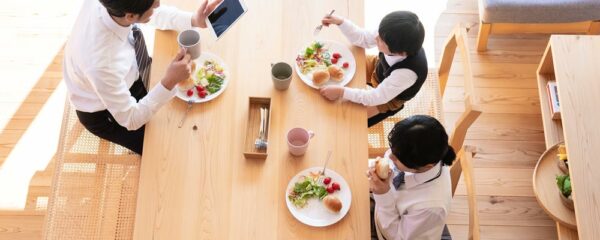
546, 191
253, 127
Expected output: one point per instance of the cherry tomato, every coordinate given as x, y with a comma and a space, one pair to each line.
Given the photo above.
190, 92
346, 65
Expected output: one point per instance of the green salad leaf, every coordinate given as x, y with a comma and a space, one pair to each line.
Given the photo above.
304, 190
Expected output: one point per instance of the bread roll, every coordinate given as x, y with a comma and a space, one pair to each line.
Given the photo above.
382, 168
332, 203
336, 73
188, 83
320, 77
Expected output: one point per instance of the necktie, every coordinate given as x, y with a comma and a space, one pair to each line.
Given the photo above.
141, 55
398, 180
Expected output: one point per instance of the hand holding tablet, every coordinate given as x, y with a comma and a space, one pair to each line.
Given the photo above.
224, 16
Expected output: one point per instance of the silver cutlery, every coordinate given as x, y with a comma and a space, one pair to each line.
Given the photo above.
265, 127
259, 142
318, 28
323, 176
190, 103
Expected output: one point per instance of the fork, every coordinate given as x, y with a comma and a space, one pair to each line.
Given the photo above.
322, 176
259, 142
189, 106
318, 28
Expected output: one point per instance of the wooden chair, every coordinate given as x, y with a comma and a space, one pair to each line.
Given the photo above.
458, 40
429, 99
94, 188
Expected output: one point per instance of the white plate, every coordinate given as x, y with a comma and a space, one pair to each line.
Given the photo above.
200, 62
333, 47
315, 213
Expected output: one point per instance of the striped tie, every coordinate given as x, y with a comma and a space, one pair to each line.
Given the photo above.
398, 180
141, 55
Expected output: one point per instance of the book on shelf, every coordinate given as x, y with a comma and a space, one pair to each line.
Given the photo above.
553, 101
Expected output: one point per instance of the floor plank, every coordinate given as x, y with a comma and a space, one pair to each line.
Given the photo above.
501, 211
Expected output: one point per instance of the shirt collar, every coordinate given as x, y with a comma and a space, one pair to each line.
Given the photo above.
391, 60
413, 179
120, 31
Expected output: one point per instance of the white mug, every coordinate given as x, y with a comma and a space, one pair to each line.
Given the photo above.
190, 41
298, 139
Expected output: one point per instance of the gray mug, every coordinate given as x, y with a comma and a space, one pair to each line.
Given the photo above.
281, 73
190, 40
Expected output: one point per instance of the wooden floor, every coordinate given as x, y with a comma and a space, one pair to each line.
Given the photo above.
508, 135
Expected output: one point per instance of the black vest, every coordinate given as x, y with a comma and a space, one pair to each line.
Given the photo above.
416, 63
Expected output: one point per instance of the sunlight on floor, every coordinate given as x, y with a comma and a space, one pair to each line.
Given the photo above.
32, 153
29, 47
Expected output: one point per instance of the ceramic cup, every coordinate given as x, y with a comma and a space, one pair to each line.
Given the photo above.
298, 139
281, 73
190, 40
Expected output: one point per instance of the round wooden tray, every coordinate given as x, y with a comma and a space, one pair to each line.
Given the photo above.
546, 190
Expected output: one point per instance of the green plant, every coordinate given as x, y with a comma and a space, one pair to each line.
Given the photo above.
564, 184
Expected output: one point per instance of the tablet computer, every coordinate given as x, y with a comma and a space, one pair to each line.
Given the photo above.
224, 16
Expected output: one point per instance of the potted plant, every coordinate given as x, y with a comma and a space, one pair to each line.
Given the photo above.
564, 187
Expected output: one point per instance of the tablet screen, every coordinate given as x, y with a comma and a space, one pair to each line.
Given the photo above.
225, 15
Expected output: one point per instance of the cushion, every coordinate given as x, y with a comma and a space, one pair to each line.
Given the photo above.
538, 11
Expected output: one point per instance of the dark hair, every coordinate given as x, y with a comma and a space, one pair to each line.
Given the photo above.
402, 32
118, 8
420, 140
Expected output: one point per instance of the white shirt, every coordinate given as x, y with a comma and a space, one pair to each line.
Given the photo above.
100, 67
398, 81
418, 209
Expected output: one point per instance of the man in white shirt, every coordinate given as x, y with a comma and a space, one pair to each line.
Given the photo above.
414, 201
396, 74
107, 66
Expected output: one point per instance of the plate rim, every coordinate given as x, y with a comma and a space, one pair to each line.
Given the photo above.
343, 83
290, 206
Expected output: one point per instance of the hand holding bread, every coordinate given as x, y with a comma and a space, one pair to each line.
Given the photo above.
379, 175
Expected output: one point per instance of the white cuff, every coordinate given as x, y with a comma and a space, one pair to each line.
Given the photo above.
160, 95
347, 26
183, 21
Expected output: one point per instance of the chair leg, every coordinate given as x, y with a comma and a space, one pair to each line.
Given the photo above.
482, 37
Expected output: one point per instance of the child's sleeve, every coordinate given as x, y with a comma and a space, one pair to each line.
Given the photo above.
391, 87
358, 36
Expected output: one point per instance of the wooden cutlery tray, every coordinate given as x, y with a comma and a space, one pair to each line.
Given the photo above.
253, 127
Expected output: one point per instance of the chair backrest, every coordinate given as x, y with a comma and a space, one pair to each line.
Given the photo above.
456, 39
463, 164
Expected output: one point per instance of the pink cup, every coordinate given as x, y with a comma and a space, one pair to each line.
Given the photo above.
298, 139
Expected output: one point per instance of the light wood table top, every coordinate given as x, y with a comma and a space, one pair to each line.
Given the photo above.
576, 62
196, 184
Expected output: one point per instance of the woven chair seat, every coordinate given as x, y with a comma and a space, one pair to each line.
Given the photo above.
94, 188
427, 102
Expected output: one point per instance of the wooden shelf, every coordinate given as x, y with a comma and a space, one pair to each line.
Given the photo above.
553, 131
573, 62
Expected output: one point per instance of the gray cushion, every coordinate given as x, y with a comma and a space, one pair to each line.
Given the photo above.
538, 11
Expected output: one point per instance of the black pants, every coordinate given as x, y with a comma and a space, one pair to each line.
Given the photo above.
382, 116
104, 125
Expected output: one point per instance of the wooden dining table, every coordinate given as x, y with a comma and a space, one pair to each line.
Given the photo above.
195, 182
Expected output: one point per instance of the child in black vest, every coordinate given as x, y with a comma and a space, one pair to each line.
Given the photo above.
396, 74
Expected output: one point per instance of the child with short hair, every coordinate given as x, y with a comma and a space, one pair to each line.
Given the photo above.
414, 201
396, 74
